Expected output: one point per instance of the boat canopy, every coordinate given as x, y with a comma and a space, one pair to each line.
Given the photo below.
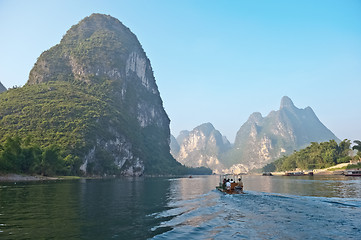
235, 177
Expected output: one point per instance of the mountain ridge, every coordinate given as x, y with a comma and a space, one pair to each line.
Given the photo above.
279, 133
261, 140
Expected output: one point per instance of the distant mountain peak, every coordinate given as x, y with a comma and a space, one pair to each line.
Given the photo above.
206, 128
97, 23
255, 117
206, 125
202, 146
2, 88
97, 49
286, 102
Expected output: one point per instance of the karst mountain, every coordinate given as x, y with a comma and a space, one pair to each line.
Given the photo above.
260, 140
95, 96
203, 146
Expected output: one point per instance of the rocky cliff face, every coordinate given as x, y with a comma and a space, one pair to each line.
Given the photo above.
100, 48
174, 146
103, 54
2, 88
202, 146
261, 140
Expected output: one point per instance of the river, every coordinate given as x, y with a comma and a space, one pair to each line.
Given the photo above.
307, 207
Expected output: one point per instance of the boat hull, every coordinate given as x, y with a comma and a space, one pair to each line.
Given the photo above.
353, 173
234, 191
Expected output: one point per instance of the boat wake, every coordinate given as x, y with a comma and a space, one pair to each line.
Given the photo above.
259, 215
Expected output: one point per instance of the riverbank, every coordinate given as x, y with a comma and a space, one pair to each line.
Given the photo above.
315, 173
11, 177
334, 170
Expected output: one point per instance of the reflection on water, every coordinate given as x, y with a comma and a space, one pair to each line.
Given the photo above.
272, 208
85, 209
180, 208
186, 188
322, 186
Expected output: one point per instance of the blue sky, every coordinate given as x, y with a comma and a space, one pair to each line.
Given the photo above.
217, 61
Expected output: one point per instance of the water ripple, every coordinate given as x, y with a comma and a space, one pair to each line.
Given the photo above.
263, 216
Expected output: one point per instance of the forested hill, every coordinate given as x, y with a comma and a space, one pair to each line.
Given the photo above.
315, 156
95, 97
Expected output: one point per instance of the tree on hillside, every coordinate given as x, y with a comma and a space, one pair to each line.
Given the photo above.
357, 147
21, 156
11, 155
51, 163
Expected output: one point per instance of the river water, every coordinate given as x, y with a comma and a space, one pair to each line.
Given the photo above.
307, 207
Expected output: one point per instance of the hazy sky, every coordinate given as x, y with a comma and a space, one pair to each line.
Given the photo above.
217, 61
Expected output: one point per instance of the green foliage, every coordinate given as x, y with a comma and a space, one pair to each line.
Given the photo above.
199, 171
354, 166
51, 113
317, 155
357, 147
60, 113
17, 156
72, 165
271, 167
73, 117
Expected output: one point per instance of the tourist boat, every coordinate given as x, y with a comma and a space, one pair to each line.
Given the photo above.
236, 184
294, 174
267, 174
353, 173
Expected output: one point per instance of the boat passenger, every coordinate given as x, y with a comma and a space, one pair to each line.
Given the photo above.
228, 185
239, 187
232, 181
224, 183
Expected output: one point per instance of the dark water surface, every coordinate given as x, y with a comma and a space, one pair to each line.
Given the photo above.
182, 208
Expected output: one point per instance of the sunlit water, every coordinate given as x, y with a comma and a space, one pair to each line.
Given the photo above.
182, 208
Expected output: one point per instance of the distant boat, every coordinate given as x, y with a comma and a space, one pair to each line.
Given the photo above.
294, 174
235, 186
353, 173
267, 174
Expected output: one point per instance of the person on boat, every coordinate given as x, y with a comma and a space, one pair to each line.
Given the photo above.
228, 185
232, 181
224, 183
239, 187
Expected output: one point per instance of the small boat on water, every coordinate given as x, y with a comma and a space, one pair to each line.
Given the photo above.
267, 174
298, 173
230, 184
356, 173
294, 174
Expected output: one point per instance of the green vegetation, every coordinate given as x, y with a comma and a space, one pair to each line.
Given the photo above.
357, 147
354, 166
17, 156
73, 117
54, 113
315, 156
